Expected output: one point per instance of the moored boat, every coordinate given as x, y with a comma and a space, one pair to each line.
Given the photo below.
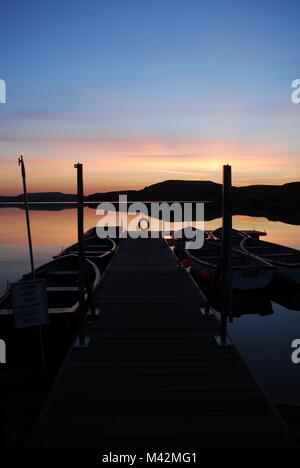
237, 236
181, 237
285, 260
248, 271
62, 282
94, 248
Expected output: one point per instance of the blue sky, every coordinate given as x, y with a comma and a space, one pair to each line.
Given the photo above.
140, 90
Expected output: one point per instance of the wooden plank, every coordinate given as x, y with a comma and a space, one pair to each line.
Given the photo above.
165, 443
153, 375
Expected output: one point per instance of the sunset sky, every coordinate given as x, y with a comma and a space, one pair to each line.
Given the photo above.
142, 91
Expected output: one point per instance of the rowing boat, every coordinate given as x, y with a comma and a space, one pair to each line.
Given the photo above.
94, 248
236, 236
285, 260
181, 237
248, 271
62, 282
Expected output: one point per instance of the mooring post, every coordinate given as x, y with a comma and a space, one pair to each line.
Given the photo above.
82, 340
226, 256
23, 173
40, 332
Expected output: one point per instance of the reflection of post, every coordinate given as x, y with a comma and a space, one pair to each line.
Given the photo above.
40, 334
226, 262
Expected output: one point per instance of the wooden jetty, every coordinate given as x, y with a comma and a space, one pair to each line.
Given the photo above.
153, 375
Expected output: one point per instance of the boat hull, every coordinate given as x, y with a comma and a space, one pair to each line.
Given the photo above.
289, 273
95, 248
62, 285
242, 279
285, 260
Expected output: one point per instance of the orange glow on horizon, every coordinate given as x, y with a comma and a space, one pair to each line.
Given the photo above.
134, 163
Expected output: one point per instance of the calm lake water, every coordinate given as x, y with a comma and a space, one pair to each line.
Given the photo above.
263, 340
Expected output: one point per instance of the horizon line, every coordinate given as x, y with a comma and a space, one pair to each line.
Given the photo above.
151, 185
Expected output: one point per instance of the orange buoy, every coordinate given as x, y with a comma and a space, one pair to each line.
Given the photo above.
186, 262
207, 274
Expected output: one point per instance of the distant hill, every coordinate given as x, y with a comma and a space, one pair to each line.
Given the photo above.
251, 196
169, 190
185, 190
41, 197
268, 195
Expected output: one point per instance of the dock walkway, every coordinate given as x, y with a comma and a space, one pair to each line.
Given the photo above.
153, 375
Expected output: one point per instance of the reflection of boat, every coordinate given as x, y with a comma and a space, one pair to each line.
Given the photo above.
252, 303
286, 294
94, 247
247, 303
248, 272
285, 259
62, 280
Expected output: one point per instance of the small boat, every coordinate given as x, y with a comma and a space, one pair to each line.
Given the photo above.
248, 271
94, 248
62, 279
285, 260
180, 238
237, 236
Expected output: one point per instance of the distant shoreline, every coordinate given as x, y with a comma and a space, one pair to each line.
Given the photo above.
274, 202
179, 190
288, 214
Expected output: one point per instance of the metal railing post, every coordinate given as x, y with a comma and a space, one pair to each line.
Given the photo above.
226, 256
82, 340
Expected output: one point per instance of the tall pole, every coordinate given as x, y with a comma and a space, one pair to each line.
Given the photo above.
23, 172
40, 334
81, 256
226, 262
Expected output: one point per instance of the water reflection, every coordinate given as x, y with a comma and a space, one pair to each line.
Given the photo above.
52, 230
265, 344
265, 322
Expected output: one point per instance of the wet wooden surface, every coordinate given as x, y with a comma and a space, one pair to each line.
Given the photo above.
153, 375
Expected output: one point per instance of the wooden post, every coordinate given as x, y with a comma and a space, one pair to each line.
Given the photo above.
23, 172
80, 235
226, 258
82, 340
40, 332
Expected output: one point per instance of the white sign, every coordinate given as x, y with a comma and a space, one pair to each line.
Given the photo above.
2, 352
29, 301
